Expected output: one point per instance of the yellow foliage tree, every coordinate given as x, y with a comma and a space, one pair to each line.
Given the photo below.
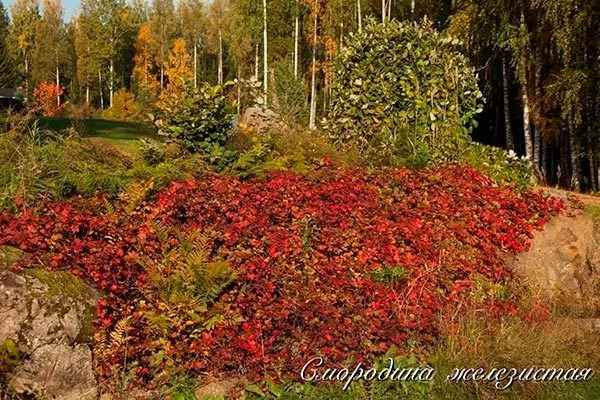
143, 75
124, 107
178, 69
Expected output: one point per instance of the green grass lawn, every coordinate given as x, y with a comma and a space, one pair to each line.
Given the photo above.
124, 134
115, 131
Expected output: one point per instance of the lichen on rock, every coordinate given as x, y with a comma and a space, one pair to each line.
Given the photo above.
47, 326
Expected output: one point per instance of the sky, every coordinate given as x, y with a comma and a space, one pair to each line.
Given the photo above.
71, 7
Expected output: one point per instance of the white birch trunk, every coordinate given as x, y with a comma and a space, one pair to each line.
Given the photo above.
527, 127
111, 83
162, 67
220, 68
57, 86
239, 90
359, 15
26, 75
313, 89
195, 65
100, 86
296, 35
510, 144
265, 51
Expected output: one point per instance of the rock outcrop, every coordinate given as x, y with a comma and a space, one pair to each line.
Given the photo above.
45, 334
564, 258
259, 119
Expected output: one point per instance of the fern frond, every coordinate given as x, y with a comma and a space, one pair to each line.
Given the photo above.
161, 231
118, 336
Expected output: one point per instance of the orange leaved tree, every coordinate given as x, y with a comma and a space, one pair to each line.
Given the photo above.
45, 96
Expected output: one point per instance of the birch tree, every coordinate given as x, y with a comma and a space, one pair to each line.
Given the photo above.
193, 28
25, 16
162, 23
50, 44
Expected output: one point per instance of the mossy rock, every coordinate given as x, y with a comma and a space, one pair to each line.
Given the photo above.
9, 256
63, 290
9, 356
45, 335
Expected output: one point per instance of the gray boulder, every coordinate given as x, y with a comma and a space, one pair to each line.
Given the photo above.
45, 334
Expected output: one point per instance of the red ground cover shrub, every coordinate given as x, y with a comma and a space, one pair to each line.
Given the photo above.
342, 264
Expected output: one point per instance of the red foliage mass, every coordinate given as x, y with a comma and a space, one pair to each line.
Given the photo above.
304, 249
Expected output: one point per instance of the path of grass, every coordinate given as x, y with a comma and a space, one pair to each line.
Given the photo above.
120, 133
115, 131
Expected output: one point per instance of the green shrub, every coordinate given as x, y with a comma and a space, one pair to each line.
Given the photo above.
505, 167
152, 152
199, 121
285, 149
402, 92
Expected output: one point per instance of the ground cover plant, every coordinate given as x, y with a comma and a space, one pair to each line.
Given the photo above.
262, 274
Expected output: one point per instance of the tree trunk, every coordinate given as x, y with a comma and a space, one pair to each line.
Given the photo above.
100, 86
313, 88
537, 113
383, 9
296, 35
57, 86
220, 67
510, 143
341, 34
162, 68
26, 75
537, 148
87, 93
389, 10
265, 51
239, 90
527, 126
111, 83
358, 10
575, 161
412, 8
593, 169
195, 65
162, 77
325, 84
544, 162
